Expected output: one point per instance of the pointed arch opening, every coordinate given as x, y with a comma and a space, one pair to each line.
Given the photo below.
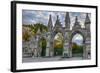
43, 44
77, 44
58, 44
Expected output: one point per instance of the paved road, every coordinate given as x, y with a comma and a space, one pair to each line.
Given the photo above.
40, 59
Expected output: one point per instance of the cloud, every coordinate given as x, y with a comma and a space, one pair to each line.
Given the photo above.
33, 16
77, 39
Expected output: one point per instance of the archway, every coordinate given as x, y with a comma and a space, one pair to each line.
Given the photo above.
77, 44
43, 44
58, 44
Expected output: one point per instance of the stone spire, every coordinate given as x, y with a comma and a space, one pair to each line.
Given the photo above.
50, 26
76, 24
58, 24
67, 20
87, 22
76, 21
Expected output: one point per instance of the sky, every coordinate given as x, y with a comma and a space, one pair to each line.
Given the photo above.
34, 16
78, 38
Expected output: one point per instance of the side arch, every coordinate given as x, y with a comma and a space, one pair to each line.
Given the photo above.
73, 33
42, 46
53, 38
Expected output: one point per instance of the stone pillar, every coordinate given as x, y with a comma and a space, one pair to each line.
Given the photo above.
70, 46
66, 49
86, 49
51, 53
35, 46
47, 48
35, 52
50, 49
70, 50
84, 52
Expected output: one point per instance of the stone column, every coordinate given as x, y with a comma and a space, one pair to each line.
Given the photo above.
66, 49
70, 50
87, 46
35, 46
84, 52
70, 44
47, 48
51, 52
51, 48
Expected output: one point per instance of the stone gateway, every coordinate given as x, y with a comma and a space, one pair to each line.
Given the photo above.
67, 33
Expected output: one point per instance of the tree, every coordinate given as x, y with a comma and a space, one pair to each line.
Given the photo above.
77, 48
41, 26
25, 36
35, 27
74, 46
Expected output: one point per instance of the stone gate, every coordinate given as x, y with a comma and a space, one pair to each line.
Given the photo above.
67, 33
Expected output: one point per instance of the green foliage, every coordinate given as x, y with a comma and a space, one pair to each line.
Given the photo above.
74, 46
43, 44
58, 41
77, 48
25, 36
34, 28
58, 44
41, 27
58, 52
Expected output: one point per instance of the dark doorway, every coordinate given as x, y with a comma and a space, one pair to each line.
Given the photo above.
43, 44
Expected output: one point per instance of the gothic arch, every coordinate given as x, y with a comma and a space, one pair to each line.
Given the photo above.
42, 46
73, 33
79, 32
56, 30
54, 34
